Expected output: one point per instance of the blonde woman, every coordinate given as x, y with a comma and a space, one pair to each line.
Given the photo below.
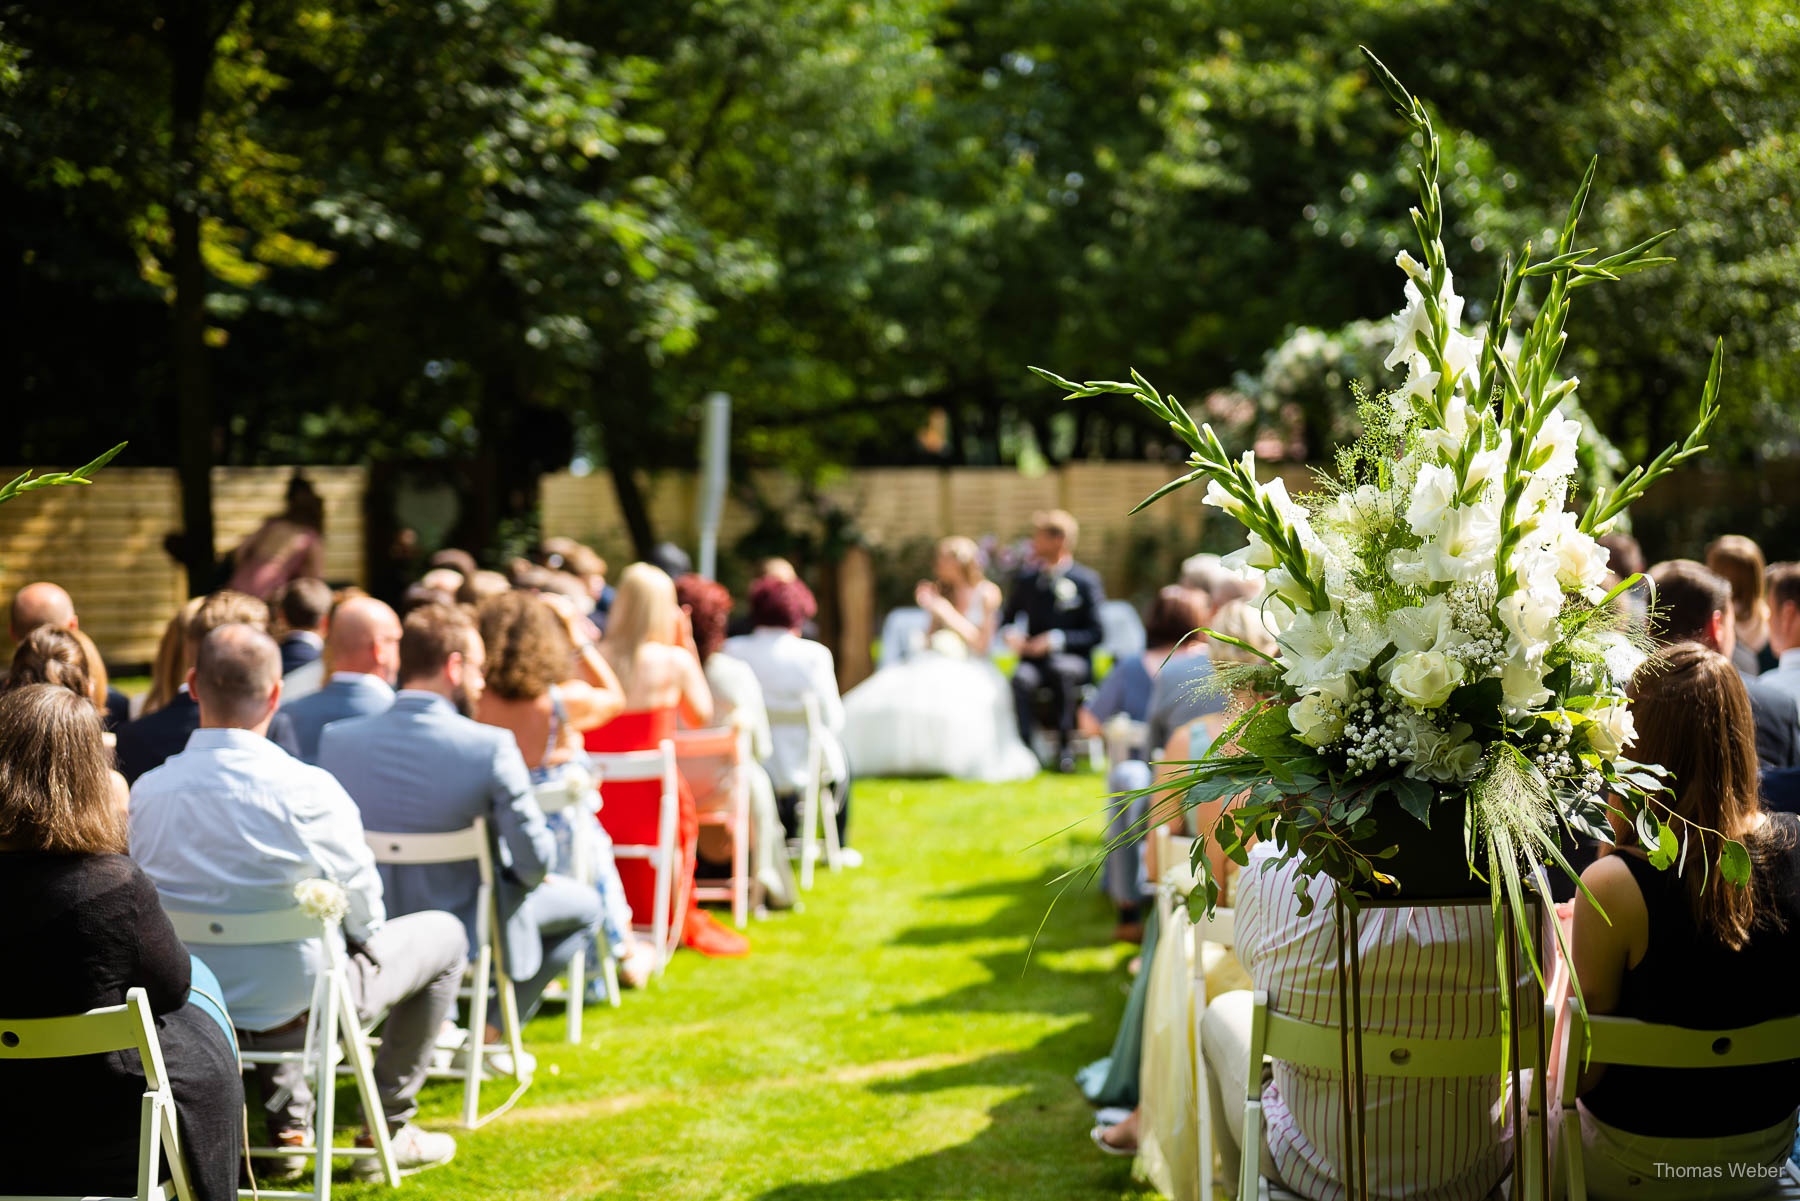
948, 712
650, 648
169, 672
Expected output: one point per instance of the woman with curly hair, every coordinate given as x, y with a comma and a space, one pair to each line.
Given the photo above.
548, 685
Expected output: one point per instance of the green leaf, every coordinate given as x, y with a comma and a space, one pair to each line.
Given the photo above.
1269, 736
1415, 796
1734, 862
1662, 855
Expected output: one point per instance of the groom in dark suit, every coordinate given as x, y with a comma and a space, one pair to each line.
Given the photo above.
1061, 602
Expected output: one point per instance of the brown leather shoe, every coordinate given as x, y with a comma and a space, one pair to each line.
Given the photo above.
1131, 932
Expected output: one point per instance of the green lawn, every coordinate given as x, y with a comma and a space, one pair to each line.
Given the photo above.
892, 1041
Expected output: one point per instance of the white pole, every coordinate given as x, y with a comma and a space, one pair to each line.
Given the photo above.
715, 463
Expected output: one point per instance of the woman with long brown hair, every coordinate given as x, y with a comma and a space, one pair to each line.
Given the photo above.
1689, 948
1740, 561
84, 926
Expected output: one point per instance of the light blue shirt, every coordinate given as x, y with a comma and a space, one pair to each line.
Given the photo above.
1785, 675
231, 825
347, 694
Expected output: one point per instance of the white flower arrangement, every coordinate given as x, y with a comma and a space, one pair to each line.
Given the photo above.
1448, 644
325, 900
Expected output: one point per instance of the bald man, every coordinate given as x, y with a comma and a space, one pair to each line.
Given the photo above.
47, 604
363, 647
231, 825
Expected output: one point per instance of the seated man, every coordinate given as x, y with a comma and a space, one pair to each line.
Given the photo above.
1060, 600
301, 610
425, 767
1425, 972
364, 650
47, 604
152, 738
231, 825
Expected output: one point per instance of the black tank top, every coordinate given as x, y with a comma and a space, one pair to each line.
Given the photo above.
1688, 978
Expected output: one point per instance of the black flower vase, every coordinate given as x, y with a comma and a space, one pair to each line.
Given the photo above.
1430, 863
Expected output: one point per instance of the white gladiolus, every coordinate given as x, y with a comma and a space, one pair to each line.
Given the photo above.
1256, 555
1423, 679
1433, 495
1428, 626
1464, 548
1444, 441
1529, 616
1219, 498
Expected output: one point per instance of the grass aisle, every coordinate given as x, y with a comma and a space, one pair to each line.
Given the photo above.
889, 1042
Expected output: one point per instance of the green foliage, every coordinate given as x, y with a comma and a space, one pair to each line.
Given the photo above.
27, 482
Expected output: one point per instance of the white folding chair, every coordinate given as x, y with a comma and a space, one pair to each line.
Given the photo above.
1124, 739
469, 845
818, 804
627, 767
1626, 1042
714, 763
1121, 630
1316, 1045
903, 633
334, 1033
127, 1027
557, 796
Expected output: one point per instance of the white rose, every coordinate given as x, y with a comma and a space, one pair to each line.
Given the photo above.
1317, 719
1610, 728
1424, 679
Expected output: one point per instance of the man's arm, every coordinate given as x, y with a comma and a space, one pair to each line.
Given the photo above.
330, 825
519, 822
1084, 631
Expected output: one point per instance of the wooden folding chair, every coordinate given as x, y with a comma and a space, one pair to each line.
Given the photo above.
818, 804
1626, 1042
127, 1027
626, 767
714, 764
556, 797
334, 1033
1316, 1045
469, 845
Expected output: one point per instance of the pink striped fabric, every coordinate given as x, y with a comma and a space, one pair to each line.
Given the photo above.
1425, 972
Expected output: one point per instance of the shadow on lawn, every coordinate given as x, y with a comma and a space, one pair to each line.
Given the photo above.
1034, 1143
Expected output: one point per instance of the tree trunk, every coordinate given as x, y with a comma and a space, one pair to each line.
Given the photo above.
191, 44
631, 504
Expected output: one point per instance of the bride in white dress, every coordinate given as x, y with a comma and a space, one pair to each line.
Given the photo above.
947, 711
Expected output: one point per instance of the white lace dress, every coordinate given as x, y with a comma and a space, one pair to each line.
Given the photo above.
943, 712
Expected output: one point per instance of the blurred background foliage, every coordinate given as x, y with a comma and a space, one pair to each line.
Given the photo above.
521, 233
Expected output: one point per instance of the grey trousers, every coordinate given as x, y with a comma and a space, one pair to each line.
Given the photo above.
1125, 817
420, 958
566, 913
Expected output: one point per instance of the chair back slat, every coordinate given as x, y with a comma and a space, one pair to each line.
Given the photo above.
1221, 927
452, 846
630, 767
1315, 1045
244, 929
807, 713
1632, 1043
96, 1032
712, 761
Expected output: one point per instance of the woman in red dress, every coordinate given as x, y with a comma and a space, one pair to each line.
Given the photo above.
650, 647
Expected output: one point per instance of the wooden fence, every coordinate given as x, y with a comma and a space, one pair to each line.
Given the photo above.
104, 543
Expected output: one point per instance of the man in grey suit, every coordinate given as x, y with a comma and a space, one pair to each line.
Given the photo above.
363, 647
424, 767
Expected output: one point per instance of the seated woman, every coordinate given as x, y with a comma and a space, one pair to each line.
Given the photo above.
54, 656
738, 702
789, 668
547, 683
87, 923
1691, 949
650, 648
948, 711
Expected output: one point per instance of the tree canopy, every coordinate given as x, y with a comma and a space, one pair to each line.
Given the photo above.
512, 233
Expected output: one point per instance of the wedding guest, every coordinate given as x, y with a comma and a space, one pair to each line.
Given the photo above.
738, 702
547, 685
1740, 561
946, 711
566, 554
453, 559
83, 927
650, 647
302, 606
1695, 605
46, 604
1171, 628
363, 648
169, 672
1060, 600
1425, 972
152, 738
52, 656
789, 668
1691, 949
231, 825
421, 594
1207, 574
1784, 627
426, 766
286, 547
481, 587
